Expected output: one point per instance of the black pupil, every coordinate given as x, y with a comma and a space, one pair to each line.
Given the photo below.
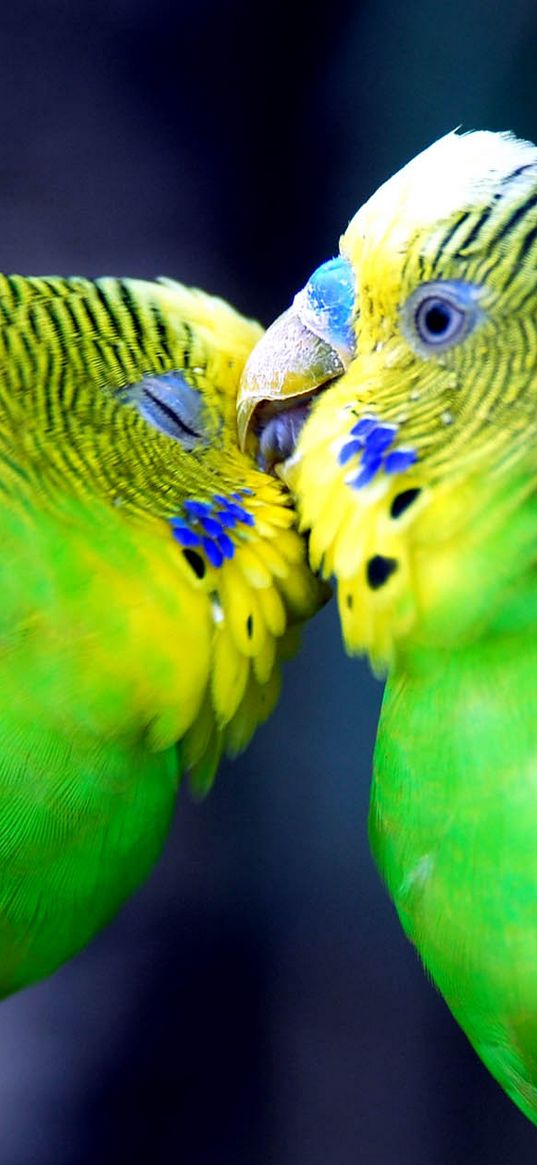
437, 319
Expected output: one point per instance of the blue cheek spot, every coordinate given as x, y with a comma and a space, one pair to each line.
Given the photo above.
213, 551
372, 441
226, 545
399, 460
381, 438
350, 449
364, 427
227, 520
184, 535
211, 526
239, 514
369, 470
204, 524
195, 509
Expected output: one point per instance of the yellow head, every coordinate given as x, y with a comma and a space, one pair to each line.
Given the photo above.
431, 312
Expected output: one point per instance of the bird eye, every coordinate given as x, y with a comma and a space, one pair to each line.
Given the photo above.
167, 402
437, 316
438, 321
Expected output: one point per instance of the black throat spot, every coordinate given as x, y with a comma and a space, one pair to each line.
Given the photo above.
379, 569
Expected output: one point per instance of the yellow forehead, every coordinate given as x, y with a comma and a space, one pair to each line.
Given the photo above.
459, 173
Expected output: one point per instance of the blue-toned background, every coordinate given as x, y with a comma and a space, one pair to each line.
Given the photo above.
255, 1003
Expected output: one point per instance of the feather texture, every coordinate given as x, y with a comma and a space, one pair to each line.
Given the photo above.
145, 583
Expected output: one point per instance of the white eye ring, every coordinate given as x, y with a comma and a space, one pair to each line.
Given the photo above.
439, 315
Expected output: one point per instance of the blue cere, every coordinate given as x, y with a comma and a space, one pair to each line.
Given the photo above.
331, 294
205, 524
372, 441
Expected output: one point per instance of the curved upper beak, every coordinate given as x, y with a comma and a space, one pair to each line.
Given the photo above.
303, 349
288, 363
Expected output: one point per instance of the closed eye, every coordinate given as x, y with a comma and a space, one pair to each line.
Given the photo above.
170, 404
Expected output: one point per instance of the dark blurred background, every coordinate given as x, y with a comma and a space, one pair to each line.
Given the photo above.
255, 1003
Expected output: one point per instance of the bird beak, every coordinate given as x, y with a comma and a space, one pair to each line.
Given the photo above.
302, 351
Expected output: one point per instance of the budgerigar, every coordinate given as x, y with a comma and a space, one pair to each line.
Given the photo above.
416, 473
150, 582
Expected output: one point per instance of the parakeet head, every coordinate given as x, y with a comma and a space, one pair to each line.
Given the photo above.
110, 382
413, 397
158, 553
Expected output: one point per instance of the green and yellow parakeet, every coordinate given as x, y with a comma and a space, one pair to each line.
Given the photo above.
416, 473
150, 581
